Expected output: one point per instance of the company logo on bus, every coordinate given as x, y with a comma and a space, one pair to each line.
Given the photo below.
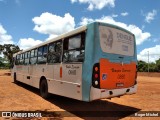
104, 76
109, 38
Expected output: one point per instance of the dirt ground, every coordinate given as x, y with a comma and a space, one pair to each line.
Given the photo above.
21, 97
150, 74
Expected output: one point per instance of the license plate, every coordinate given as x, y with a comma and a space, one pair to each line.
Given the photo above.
119, 84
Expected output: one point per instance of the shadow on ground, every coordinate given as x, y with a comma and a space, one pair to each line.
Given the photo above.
99, 109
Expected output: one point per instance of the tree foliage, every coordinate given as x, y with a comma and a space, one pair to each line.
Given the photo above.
153, 67
142, 66
4, 63
1, 61
8, 50
158, 65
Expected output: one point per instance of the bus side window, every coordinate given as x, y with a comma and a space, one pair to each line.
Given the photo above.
21, 59
33, 56
74, 48
54, 52
26, 56
17, 60
13, 62
42, 55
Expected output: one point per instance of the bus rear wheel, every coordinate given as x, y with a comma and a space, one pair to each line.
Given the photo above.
44, 89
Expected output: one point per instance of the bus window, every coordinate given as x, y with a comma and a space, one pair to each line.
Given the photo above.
17, 59
21, 59
33, 56
42, 55
74, 48
26, 56
75, 42
54, 52
116, 41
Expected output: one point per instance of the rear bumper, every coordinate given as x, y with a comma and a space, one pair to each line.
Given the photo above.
104, 93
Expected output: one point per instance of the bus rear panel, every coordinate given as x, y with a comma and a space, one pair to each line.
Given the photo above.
114, 72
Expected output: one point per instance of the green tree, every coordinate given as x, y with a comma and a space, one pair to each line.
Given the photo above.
152, 67
1, 62
142, 66
1, 48
8, 51
158, 65
1, 59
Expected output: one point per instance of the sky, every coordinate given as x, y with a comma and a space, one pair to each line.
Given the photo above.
29, 22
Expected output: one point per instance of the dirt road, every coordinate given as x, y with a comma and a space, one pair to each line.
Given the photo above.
21, 97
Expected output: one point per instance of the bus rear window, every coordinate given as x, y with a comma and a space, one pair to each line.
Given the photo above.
116, 41
75, 42
74, 48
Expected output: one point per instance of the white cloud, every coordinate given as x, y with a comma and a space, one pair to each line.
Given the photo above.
25, 43
53, 25
50, 24
85, 21
73, 1
143, 26
154, 54
114, 15
96, 4
51, 36
156, 40
150, 16
139, 34
4, 37
124, 13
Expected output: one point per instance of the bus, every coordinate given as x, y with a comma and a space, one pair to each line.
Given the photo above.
94, 61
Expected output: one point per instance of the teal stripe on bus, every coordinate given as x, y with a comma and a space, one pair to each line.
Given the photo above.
88, 63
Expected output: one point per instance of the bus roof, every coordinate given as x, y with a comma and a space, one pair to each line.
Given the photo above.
114, 26
73, 32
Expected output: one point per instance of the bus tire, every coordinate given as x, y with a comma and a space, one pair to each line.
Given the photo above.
15, 78
44, 89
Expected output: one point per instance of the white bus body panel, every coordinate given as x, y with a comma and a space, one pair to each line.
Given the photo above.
70, 83
66, 89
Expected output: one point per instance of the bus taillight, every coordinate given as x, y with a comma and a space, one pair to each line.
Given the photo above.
95, 76
96, 68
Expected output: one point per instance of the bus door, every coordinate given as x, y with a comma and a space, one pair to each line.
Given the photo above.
32, 67
54, 60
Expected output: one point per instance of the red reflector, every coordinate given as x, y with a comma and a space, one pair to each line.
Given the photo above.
102, 90
96, 75
60, 72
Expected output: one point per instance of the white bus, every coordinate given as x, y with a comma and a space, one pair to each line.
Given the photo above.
95, 61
